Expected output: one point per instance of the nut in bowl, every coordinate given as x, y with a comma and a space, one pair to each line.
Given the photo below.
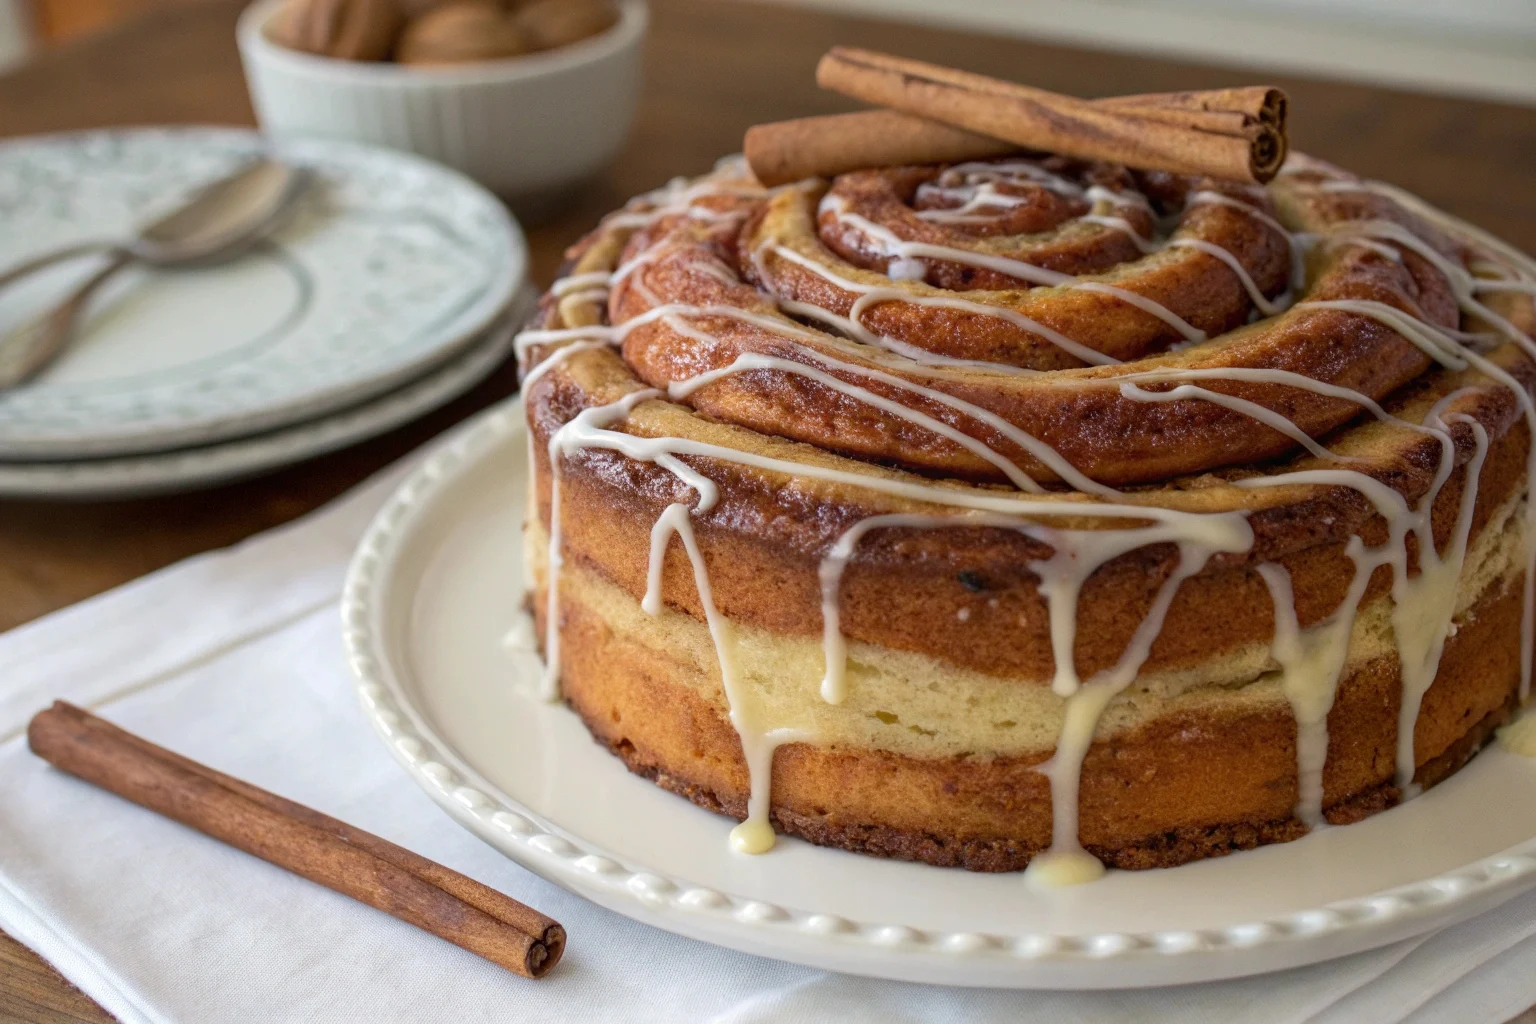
530, 99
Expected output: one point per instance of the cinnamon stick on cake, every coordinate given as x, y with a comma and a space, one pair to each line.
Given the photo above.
821, 147
937, 114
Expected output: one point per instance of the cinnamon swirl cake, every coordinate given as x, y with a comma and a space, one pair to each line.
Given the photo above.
1029, 509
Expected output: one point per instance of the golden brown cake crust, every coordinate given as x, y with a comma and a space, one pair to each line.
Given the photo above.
1181, 789
736, 334
764, 541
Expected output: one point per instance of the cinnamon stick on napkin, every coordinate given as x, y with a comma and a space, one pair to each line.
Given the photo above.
310, 844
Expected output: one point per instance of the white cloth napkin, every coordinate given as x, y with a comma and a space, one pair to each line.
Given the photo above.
234, 659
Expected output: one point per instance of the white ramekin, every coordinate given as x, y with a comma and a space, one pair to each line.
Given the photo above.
529, 128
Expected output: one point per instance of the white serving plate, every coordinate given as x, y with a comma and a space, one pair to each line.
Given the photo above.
432, 594
137, 476
389, 265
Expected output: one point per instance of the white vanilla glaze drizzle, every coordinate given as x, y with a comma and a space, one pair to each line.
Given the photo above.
1062, 576
561, 443
1517, 273
984, 195
870, 295
1047, 455
1443, 348
755, 834
1422, 605
1252, 410
580, 282
1311, 660
1078, 555
1519, 736
890, 245
978, 191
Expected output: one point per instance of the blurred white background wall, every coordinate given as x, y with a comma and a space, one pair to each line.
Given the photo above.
1484, 48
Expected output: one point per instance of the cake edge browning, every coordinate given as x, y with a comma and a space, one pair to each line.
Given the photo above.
1241, 554
1176, 789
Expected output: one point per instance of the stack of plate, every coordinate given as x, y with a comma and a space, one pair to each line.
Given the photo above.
395, 285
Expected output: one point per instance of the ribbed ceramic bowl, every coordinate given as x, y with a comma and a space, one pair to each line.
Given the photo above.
529, 128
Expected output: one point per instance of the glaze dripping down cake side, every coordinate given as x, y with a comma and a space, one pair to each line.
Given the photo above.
1029, 509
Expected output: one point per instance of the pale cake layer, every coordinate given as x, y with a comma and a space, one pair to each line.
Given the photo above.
1213, 772
921, 706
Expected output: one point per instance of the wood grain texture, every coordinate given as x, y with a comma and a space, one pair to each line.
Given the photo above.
57, 21
32, 991
713, 68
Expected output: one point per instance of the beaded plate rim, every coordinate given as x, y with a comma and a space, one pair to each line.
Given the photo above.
877, 948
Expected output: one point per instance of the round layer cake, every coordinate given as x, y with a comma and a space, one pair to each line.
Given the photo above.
1035, 510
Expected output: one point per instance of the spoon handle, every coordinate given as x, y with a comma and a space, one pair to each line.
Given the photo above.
35, 343
48, 259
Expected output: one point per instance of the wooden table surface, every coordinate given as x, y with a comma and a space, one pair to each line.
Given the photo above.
713, 68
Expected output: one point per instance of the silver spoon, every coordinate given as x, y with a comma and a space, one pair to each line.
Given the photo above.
218, 222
